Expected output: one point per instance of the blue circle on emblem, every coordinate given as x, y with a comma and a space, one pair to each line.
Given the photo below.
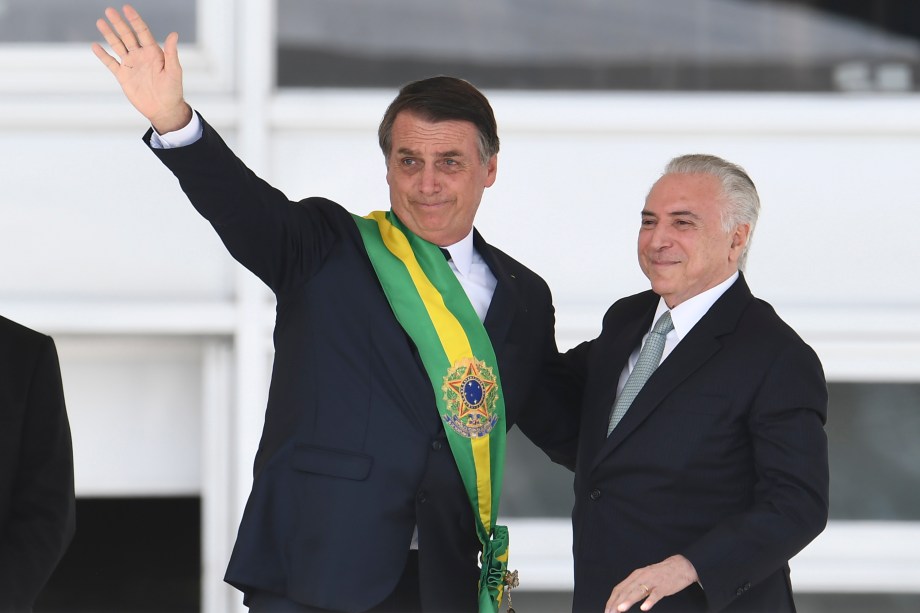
472, 391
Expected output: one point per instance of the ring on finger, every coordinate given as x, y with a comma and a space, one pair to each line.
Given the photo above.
645, 587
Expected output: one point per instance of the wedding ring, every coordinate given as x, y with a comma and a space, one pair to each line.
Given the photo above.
645, 587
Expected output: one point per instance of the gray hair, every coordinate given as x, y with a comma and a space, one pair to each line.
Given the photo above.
741, 204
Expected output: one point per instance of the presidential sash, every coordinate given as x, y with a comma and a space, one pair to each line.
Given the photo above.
458, 357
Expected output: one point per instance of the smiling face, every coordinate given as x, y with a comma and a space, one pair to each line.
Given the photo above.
436, 176
683, 248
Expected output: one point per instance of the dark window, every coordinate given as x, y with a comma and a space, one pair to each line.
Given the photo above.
872, 431
130, 555
703, 45
534, 486
856, 603
73, 21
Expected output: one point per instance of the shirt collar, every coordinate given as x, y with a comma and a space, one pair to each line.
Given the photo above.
461, 254
686, 315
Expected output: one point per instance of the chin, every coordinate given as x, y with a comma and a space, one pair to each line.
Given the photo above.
662, 289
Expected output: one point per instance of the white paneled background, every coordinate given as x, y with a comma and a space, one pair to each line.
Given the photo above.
165, 342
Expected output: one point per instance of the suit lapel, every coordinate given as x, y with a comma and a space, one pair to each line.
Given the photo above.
506, 301
609, 360
700, 344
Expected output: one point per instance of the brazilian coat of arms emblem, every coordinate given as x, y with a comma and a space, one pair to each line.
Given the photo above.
470, 393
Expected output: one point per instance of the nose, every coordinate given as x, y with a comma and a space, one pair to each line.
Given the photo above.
658, 237
428, 180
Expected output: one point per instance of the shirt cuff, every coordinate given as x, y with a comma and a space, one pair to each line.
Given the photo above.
178, 138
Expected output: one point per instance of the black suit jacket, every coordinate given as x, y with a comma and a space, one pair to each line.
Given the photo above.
722, 457
353, 454
36, 466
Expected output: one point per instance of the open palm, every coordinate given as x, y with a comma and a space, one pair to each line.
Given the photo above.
149, 75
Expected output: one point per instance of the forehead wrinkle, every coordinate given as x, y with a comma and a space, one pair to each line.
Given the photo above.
444, 138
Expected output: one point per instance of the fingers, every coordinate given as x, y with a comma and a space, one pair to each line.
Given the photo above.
110, 62
628, 593
171, 52
652, 583
111, 38
124, 32
126, 35
650, 600
141, 31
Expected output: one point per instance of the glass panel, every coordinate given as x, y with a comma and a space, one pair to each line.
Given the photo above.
534, 486
130, 554
742, 45
856, 603
70, 21
553, 602
872, 430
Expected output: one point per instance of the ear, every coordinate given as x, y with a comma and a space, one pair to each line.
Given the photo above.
739, 240
389, 171
491, 170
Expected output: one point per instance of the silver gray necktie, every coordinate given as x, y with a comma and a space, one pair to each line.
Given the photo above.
648, 361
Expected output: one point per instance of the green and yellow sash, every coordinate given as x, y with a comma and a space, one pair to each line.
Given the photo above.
457, 353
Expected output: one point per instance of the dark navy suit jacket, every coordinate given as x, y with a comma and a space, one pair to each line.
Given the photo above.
722, 457
353, 454
37, 516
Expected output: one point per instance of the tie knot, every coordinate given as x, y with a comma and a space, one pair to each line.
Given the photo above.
664, 324
445, 253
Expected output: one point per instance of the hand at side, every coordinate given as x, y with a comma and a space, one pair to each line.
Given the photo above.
651, 584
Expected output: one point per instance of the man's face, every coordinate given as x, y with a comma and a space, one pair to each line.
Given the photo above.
436, 177
683, 249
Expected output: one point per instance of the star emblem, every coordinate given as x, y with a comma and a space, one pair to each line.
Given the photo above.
473, 387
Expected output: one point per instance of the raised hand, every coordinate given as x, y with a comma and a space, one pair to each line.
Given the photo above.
149, 75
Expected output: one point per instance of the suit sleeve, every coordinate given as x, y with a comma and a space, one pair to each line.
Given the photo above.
786, 426
42, 517
280, 241
553, 419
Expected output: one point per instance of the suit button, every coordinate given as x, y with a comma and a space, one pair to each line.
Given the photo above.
437, 445
422, 497
595, 494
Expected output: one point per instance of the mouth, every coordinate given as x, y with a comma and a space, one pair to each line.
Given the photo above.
430, 204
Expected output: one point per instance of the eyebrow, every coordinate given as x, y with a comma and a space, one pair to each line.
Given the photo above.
647, 213
452, 153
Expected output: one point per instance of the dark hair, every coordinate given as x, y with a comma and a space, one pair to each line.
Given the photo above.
443, 99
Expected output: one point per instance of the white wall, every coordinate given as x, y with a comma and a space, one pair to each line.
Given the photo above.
165, 342
833, 173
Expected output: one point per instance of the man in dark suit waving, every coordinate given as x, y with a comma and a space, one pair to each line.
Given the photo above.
702, 458
396, 372
37, 516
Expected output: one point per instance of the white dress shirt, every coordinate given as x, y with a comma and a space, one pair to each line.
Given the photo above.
179, 138
474, 274
684, 316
